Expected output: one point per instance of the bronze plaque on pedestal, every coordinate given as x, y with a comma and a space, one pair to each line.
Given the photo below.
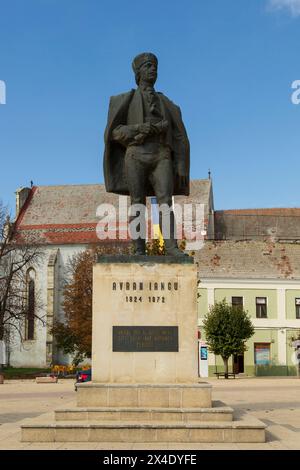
145, 338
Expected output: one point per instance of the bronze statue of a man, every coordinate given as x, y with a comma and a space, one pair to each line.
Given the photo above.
146, 147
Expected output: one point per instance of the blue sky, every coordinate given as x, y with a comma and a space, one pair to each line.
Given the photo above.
229, 64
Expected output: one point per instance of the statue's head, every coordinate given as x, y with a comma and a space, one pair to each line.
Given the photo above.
145, 68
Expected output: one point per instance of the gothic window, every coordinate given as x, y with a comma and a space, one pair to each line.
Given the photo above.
30, 304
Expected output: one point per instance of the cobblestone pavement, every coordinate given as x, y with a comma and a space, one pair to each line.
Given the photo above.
275, 401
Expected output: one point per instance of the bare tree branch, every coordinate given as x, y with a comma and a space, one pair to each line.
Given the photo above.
16, 259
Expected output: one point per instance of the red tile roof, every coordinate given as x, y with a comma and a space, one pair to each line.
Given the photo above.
67, 214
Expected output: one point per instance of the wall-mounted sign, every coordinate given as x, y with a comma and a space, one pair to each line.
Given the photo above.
203, 359
203, 353
262, 354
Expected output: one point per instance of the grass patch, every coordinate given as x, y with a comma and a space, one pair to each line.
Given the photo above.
23, 372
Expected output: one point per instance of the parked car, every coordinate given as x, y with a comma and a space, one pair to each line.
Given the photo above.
83, 376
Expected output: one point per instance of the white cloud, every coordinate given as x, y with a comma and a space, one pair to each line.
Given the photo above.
292, 6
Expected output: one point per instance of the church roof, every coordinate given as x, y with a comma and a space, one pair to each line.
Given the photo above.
67, 214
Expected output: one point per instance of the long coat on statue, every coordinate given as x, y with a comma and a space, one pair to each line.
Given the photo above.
127, 109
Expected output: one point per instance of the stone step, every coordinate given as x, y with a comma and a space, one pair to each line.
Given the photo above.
46, 380
218, 412
192, 395
246, 429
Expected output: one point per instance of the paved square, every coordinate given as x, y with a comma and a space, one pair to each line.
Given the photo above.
275, 401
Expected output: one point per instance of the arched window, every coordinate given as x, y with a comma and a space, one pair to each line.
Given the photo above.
30, 304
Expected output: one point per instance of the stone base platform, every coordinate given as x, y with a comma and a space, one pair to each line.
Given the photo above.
247, 430
179, 415
144, 395
146, 413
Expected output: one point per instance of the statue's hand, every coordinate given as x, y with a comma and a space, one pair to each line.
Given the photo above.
145, 128
164, 125
149, 128
139, 138
161, 127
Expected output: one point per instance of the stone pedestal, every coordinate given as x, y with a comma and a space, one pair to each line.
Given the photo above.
144, 320
145, 385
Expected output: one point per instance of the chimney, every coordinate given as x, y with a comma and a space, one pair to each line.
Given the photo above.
21, 197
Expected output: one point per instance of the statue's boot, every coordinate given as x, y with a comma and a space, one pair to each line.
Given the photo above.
139, 246
170, 241
172, 249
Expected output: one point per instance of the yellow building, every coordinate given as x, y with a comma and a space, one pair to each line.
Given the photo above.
263, 277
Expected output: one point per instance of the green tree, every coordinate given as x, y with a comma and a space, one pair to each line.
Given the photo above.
227, 328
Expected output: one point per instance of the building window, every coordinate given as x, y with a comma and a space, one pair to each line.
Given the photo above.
261, 307
30, 304
297, 303
262, 354
237, 302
